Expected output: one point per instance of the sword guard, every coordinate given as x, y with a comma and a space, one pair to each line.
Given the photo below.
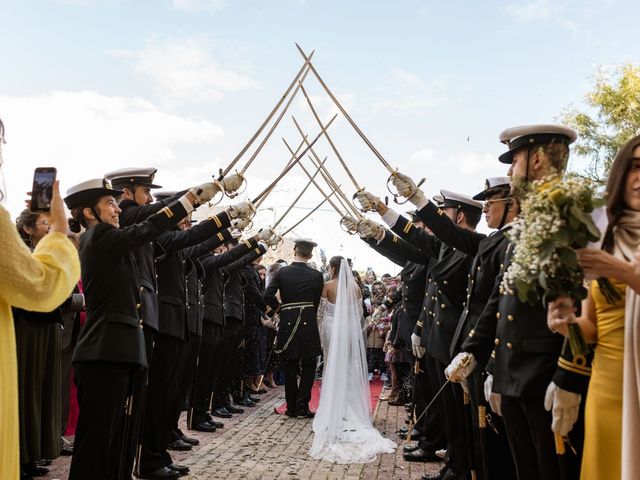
241, 190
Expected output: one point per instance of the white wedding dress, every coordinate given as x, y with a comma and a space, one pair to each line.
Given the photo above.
343, 430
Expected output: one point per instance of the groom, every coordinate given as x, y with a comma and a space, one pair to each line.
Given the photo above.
298, 341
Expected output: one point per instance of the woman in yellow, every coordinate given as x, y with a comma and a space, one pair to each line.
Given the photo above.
38, 281
602, 321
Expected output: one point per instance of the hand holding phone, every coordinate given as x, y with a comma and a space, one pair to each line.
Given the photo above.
42, 191
57, 215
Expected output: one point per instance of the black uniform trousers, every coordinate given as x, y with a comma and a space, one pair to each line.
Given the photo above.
231, 338
297, 394
138, 400
491, 453
450, 404
160, 405
99, 448
212, 336
189, 364
430, 424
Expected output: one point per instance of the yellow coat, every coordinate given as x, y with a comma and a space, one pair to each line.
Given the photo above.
40, 282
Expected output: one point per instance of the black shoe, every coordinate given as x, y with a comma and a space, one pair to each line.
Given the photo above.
306, 413
234, 409
190, 440
253, 399
67, 450
160, 474
33, 470
245, 402
402, 430
444, 474
420, 455
216, 424
221, 412
262, 391
415, 434
203, 427
290, 413
44, 463
179, 446
181, 469
410, 448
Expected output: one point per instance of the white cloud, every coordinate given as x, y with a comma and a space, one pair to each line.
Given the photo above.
534, 11
195, 6
85, 134
424, 156
406, 92
184, 70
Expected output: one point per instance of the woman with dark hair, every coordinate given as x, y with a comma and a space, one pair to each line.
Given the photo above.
611, 424
39, 361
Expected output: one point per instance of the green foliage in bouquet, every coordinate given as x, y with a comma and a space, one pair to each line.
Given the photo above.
555, 220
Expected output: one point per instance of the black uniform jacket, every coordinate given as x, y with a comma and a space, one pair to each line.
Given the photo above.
488, 252
525, 352
213, 284
448, 278
111, 281
253, 299
194, 279
233, 293
144, 255
298, 284
172, 268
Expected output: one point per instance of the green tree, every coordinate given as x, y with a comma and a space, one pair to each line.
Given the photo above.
612, 117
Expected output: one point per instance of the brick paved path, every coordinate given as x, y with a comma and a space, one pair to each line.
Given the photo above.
260, 445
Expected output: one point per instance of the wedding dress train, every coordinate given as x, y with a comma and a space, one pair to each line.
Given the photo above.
343, 430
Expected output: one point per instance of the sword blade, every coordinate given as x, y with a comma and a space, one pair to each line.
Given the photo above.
266, 191
304, 70
346, 115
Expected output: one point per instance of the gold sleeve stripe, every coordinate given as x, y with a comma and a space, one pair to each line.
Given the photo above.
419, 324
395, 239
572, 367
258, 251
248, 245
217, 221
407, 227
221, 236
167, 211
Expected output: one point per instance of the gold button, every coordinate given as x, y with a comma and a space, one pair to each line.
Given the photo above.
140, 322
493, 354
498, 315
497, 341
141, 289
472, 332
438, 322
445, 282
478, 268
138, 306
443, 306
510, 318
304, 323
509, 346
424, 308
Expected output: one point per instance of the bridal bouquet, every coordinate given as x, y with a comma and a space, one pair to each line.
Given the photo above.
555, 220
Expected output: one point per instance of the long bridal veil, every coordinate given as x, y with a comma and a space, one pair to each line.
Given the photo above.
343, 429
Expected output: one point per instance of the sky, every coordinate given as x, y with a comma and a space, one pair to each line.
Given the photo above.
89, 86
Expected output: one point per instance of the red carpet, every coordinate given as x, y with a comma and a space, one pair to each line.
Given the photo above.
375, 387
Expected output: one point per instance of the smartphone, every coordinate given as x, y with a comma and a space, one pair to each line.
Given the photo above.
42, 191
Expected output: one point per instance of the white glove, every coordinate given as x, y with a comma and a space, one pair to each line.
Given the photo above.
350, 223
418, 350
205, 192
266, 235
240, 223
408, 189
242, 210
367, 200
460, 367
494, 399
235, 233
564, 407
232, 182
370, 229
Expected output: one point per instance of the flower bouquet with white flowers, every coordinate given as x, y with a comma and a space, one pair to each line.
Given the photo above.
555, 220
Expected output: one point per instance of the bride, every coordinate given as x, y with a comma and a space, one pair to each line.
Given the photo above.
343, 431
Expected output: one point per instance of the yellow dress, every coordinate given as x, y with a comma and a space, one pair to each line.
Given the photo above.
38, 281
601, 458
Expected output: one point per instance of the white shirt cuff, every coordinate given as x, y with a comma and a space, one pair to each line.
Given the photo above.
422, 202
390, 217
186, 204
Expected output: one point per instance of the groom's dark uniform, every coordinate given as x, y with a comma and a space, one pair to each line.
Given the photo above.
298, 341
